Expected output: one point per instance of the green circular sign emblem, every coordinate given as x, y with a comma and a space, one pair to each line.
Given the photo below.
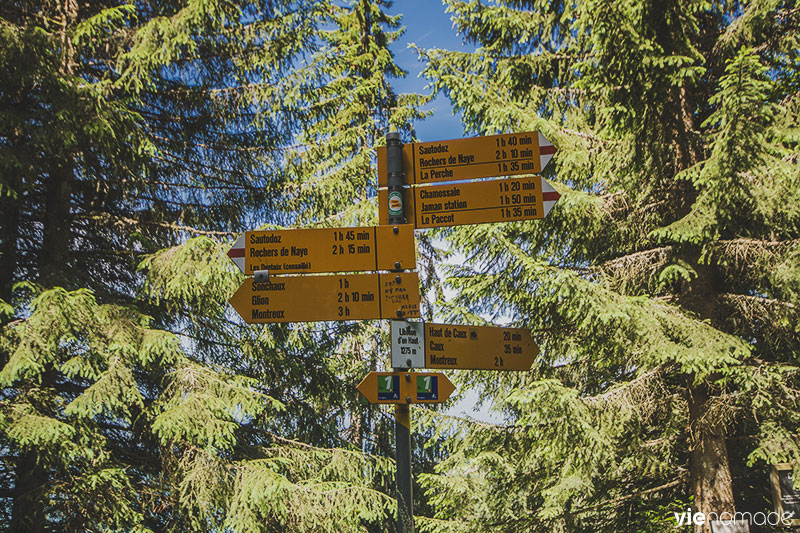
395, 203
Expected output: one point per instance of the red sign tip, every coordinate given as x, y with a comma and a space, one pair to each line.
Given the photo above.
550, 196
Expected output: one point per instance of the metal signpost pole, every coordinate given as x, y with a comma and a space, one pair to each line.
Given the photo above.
395, 177
405, 508
279, 290
395, 183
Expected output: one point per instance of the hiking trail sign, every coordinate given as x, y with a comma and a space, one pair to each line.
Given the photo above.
324, 298
420, 345
509, 154
303, 251
477, 202
406, 387
489, 179
427, 203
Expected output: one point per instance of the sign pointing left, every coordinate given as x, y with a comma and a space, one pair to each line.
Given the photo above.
322, 298
317, 250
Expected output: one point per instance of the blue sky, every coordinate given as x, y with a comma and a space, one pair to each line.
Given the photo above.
428, 26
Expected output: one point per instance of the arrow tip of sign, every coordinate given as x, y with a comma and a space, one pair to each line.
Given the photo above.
546, 150
549, 196
363, 386
446, 387
237, 248
236, 253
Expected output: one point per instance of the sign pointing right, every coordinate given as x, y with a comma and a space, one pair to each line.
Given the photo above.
508, 154
475, 202
418, 345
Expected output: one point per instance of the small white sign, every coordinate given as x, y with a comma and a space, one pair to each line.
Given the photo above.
408, 344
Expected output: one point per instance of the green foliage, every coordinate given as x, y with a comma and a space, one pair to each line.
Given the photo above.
308, 489
343, 98
204, 409
64, 420
136, 139
196, 273
29, 430
665, 273
112, 393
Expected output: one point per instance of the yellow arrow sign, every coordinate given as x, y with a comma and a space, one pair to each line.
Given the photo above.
476, 157
321, 298
420, 345
478, 347
406, 387
479, 202
315, 250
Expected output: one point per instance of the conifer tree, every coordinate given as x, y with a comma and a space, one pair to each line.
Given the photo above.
131, 399
344, 101
662, 287
341, 101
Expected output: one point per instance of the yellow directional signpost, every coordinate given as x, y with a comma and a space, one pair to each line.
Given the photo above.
509, 154
416, 345
303, 251
471, 202
321, 298
411, 187
406, 387
477, 202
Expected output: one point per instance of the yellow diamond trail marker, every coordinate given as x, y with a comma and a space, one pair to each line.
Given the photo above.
476, 157
406, 387
323, 298
299, 251
420, 345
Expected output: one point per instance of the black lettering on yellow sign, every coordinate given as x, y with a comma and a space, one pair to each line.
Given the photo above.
478, 347
478, 202
471, 158
321, 298
320, 250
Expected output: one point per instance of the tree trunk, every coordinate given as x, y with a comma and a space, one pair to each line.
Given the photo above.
9, 233
28, 509
709, 468
357, 428
30, 488
57, 238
